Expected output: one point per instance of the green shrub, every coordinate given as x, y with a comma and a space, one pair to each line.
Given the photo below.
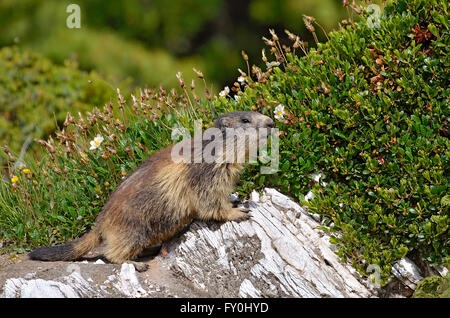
35, 95
368, 110
433, 287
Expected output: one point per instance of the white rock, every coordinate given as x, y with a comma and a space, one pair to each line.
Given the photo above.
128, 282
37, 288
285, 258
248, 290
309, 196
442, 270
255, 196
316, 177
407, 272
30, 275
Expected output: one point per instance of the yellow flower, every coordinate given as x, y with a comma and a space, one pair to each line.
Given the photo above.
26, 171
14, 179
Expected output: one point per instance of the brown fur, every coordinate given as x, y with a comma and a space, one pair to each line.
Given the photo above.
158, 199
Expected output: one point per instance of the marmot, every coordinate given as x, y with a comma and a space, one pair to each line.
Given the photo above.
160, 197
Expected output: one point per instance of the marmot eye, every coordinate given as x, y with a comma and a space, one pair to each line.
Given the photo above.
245, 120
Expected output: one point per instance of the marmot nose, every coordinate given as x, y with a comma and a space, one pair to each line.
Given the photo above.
270, 123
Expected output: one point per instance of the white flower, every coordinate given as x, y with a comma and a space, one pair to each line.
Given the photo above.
225, 92
279, 112
237, 97
241, 79
272, 64
96, 142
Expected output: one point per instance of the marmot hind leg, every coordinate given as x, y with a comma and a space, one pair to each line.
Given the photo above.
124, 250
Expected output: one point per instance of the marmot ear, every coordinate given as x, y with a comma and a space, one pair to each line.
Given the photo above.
225, 122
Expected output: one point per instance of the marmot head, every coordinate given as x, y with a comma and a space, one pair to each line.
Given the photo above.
248, 131
243, 119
